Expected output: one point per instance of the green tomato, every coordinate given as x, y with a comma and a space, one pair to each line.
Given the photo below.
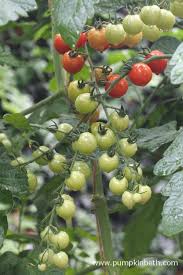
150, 14
32, 181
151, 33
85, 104
82, 167
108, 164
176, 8
137, 198
3, 137
42, 160
46, 234
120, 123
7, 143
86, 144
166, 20
60, 240
95, 127
106, 140
46, 256
60, 260
75, 89
57, 164
66, 210
42, 267
118, 186
76, 181
127, 149
63, 129
145, 192
132, 24
127, 199
18, 161
115, 34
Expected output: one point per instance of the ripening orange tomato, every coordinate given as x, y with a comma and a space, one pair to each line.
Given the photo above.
97, 39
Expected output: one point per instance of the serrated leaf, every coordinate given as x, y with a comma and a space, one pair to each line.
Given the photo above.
147, 217
17, 120
6, 58
166, 44
153, 138
172, 214
11, 10
176, 76
106, 6
173, 158
175, 66
71, 16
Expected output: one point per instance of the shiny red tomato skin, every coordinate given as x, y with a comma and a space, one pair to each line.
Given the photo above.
59, 44
119, 89
81, 40
157, 66
140, 74
72, 64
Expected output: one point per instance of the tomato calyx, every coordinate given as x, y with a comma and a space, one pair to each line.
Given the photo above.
132, 139
111, 151
102, 130
81, 84
122, 112
73, 53
106, 69
98, 25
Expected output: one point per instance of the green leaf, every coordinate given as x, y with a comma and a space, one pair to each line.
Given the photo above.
152, 139
175, 66
6, 58
142, 228
71, 16
6, 201
3, 228
107, 6
176, 76
17, 120
134, 271
172, 215
11, 10
166, 44
172, 158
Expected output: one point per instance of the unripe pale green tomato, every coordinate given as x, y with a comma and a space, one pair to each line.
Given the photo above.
166, 20
75, 146
86, 144
151, 33
46, 256
118, 186
46, 234
82, 167
85, 104
76, 181
57, 164
60, 260
18, 161
2, 137
66, 210
176, 7
137, 198
132, 174
74, 90
145, 192
60, 240
127, 199
132, 24
127, 149
115, 34
67, 197
106, 140
32, 181
150, 14
42, 267
95, 127
108, 164
7, 143
120, 123
63, 129
43, 159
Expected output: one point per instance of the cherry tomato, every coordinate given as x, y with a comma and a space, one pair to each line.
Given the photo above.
60, 240
18, 161
42, 267
60, 45
63, 129
150, 14
176, 7
32, 181
60, 260
108, 163
118, 122
57, 164
86, 144
76, 181
115, 34
140, 74
133, 40
127, 199
82, 40
73, 62
157, 66
166, 20
132, 24
46, 234
137, 198
42, 160
132, 174
120, 87
7, 144
82, 167
106, 139
151, 33
145, 192
85, 104
102, 73
118, 186
97, 39
3, 137
66, 210
77, 88
46, 256
126, 148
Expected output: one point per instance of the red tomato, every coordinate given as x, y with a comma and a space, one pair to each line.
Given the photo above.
60, 45
140, 74
119, 89
73, 62
82, 40
157, 66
